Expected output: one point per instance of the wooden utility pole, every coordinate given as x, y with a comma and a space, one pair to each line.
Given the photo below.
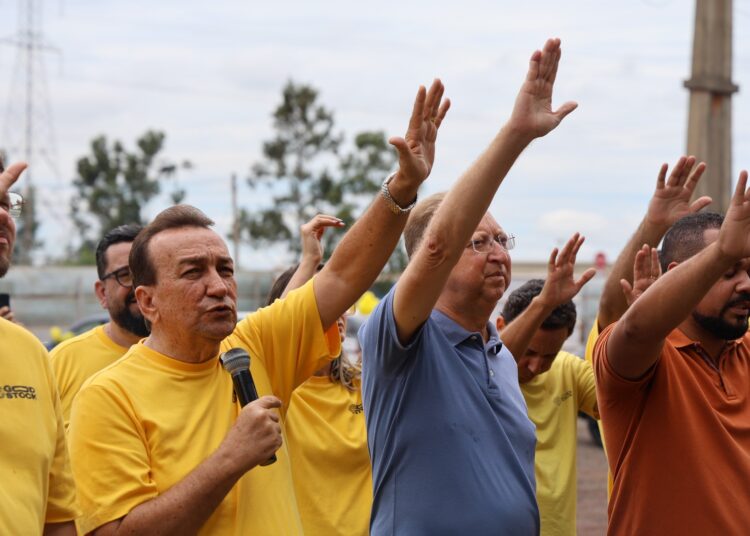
711, 89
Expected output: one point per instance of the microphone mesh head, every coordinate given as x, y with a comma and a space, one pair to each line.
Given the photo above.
235, 359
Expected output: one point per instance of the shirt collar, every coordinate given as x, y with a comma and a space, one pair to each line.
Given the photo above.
457, 334
680, 340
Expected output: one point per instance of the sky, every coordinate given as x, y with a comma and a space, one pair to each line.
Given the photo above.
210, 74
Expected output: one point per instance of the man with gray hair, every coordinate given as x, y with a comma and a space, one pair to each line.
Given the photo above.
452, 447
157, 439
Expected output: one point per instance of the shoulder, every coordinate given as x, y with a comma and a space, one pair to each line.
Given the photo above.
74, 344
120, 374
20, 340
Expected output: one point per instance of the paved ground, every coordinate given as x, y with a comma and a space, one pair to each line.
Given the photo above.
592, 485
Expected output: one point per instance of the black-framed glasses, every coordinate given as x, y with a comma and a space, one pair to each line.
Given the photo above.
122, 275
484, 243
13, 205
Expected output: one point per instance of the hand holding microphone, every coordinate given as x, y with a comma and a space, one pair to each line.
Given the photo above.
257, 425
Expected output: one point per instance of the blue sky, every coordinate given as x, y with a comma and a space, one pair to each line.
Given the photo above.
209, 75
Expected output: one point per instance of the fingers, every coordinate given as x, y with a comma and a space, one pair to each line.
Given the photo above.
432, 102
10, 175
533, 72
552, 259
268, 402
417, 113
565, 109
587, 276
660, 179
677, 170
694, 177
441, 112
640, 268
321, 221
400, 144
627, 290
570, 250
740, 194
700, 203
550, 59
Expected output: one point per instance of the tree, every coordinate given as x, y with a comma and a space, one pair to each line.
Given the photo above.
114, 185
303, 172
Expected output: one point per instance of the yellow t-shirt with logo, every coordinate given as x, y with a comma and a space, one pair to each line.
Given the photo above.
325, 427
141, 425
74, 361
554, 400
36, 485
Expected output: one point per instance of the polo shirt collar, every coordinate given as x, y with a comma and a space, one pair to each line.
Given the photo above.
680, 340
457, 334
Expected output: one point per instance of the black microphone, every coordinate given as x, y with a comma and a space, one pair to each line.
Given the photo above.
236, 362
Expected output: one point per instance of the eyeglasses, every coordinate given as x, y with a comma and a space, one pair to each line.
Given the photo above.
13, 205
484, 243
122, 276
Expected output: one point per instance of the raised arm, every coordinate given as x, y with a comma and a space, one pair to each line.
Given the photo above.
312, 250
364, 250
465, 205
637, 339
670, 202
559, 287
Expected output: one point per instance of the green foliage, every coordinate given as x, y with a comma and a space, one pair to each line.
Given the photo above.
303, 173
114, 185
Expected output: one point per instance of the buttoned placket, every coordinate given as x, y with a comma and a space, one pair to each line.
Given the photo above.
716, 368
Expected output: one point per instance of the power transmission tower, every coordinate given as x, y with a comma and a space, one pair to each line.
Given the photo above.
711, 89
36, 138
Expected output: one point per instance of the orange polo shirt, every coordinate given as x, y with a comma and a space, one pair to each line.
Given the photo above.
678, 440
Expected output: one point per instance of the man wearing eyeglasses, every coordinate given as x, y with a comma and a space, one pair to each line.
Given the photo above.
37, 494
77, 359
451, 444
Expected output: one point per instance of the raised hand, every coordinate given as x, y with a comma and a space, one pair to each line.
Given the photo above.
560, 286
734, 236
532, 114
671, 199
9, 176
646, 270
7, 314
310, 235
416, 150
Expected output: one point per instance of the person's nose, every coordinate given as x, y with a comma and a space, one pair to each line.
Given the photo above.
216, 285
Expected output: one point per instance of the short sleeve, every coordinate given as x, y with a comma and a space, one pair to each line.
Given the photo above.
583, 373
109, 455
613, 388
378, 337
288, 337
61, 498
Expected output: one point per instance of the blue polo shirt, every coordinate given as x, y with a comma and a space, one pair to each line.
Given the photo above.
451, 444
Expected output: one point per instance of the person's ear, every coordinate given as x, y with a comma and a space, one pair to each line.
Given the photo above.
672, 265
500, 322
144, 294
101, 293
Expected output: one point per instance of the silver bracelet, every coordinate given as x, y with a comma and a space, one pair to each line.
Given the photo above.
390, 202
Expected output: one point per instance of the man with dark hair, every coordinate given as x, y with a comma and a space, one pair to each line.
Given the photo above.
452, 447
37, 494
158, 441
556, 385
77, 359
686, 237
672, 383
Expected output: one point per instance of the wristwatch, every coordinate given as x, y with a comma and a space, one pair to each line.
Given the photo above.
390, 202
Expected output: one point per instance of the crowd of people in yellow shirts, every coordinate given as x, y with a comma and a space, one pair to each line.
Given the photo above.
446, 422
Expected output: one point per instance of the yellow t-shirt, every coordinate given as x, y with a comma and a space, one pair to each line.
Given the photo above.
74, 361
325, 426
589, 355
554, 400
36, 485
142, 424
